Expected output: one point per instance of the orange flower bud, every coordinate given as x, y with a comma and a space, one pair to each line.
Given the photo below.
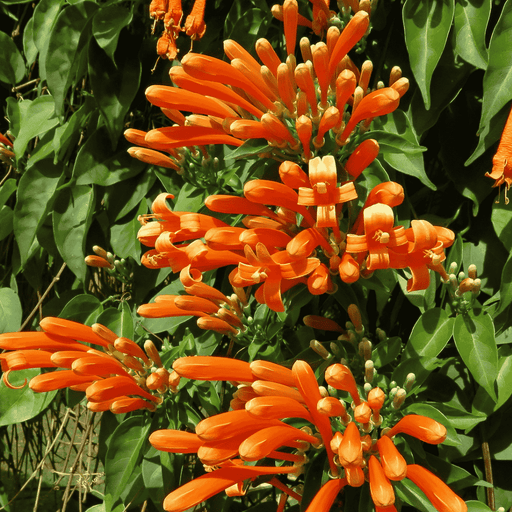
340, 377
381, 489
391, 459
423, 428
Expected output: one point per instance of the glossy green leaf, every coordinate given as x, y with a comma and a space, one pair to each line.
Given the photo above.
387, 351
6, 221
114, 87
82, 308
118, 320
427, 24
18, 405
433, 412
502, 222
470, 23
504, 378
497, 84
6, 190
124, 235
430, 334
39, 118
29, 48
505, 287
473, 333
459, 417
12, 65
45, 17
107, 25
96, 163
124, 454
10, 311
477, 506
68, 39
35, 195
71, 220
410, 493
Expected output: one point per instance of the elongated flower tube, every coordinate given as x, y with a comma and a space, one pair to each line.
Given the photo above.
381, 489
421, 427
438, 493
213, 368
340, 377
392, 461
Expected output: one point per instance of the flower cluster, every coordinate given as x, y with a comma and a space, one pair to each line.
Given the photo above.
283, 415
121, 377
301, 110
171, 13
285, 225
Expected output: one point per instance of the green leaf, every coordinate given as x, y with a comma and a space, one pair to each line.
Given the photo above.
502, 222
12, 65
10, 311
470, 23
190, 199
35, 195
123, 237
96, 163
498, 76
497, 84
504, 380
114, 88
18, 405
45, 17
387, 351
505, 287
82, 308
29, 48
68, 39
430, 334
6, 221
71, 220
250, 147
427, 24
124, 454
107, 25
118, 320
477, 506
459, 417
6, 190
410, 493
473, 333
39, 118
433, 412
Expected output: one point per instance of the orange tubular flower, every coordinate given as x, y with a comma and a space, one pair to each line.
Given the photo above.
421, 427
380, 235
255, 431
438, 493
194, 24
107, 376
324, 192
502, 160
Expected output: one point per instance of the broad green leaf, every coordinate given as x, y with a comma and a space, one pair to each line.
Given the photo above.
387, 351
498, 76
502, 222
67, 136
410, 493
470, 23
39, 118
124, 453
190, 199
10, 311
12, 65
473, 333
427, 24
118, 320
250, 147
96, 163
68, 39
422, 299
107, 25
152, 474
505, 287
6, 221
477, 506
433, 412
123, 236
35, 195
114, 87
29, 48
504, 379
459, 417
454, 476
422, 367
82, 308
430, 334
71, 220
45, 17
6, 190
18, 405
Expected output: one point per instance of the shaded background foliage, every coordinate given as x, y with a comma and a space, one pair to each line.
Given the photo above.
72, 79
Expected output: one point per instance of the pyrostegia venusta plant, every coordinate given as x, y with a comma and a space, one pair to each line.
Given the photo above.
358, 445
